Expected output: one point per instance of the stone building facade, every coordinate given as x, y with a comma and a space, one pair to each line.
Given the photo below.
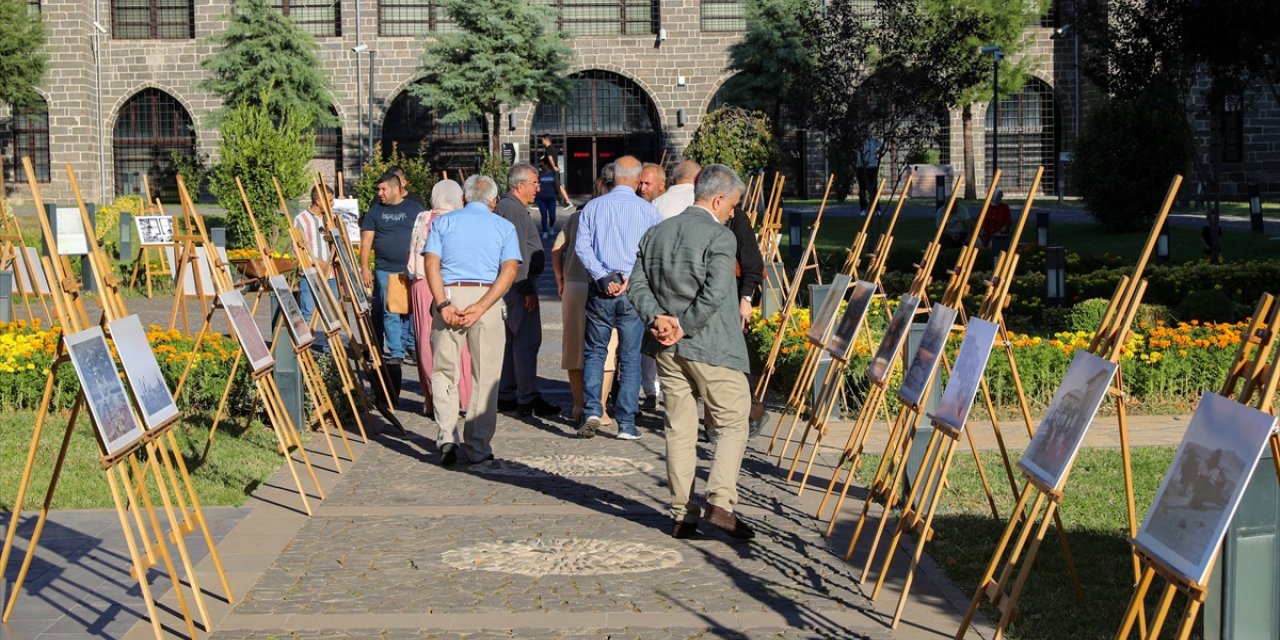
121, 98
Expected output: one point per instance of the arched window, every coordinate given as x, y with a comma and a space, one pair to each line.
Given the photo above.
320, 18
1027, 138
153, 19
151, 128
411, 127
31, 139
605, 116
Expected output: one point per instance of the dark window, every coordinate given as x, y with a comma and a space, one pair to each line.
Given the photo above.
1228, 124
151, 128
606, 17
1026, 139
33, 7
153, 19
411, 17
412, 128
321, 18
329, 143
31, 139
724, 15
1032, 16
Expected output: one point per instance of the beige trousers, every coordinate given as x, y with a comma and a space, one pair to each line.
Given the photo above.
728, 400
485, 340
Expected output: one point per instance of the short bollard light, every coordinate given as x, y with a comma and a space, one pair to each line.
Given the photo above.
1055, 265
1255, 209
794, 224
1162, 243
1042, 228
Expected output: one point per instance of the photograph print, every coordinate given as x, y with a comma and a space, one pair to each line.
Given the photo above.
324, 300
891, 344
820, 320
116, 425
966, 374
924, 364
246, 330
1053, 449
348, 211
155, 400
846, 331
1204, 484
352, 275
299, 330
154, 230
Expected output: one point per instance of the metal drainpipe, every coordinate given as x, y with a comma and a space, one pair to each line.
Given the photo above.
97, 63
359, 114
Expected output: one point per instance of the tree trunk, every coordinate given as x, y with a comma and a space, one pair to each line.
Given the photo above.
495, 134
966, 136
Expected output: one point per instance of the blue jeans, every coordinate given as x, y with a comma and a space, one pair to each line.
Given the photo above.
547, 207
604, 315
307, 302
397, 328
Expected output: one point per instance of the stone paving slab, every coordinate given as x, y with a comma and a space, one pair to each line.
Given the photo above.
562, 634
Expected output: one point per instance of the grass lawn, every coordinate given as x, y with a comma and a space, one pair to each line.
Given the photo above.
1094, 516
238, 462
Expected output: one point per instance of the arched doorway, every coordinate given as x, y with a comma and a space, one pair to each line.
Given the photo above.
151, 127
605, 117
1027, 138
411, 127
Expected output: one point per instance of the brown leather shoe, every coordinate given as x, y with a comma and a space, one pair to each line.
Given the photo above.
727, 522
684, 529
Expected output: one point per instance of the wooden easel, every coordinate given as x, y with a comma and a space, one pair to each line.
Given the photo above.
1107, 343
12, 245
147, 253
798, 399
187, 261
159, 445
263, 379
769, 237
334, 334
1257, 379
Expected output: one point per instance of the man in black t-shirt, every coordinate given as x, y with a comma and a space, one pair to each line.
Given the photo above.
386, 231
551, 152
411, 196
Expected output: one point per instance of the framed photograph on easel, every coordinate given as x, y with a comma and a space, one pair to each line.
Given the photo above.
925, 363
299, 330
966, 374
1065, 422
155, 400
113, 419
820, 322
348, 261
246, 330
154, 230
894, 334
842, 337
329, 315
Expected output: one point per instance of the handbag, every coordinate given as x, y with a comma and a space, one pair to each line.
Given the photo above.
398, 293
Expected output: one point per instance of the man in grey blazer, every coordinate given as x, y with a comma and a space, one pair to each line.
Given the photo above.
685, 291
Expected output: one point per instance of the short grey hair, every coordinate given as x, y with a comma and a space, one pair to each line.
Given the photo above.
519, 174
607, 173
686, 172
480, 188
717, 180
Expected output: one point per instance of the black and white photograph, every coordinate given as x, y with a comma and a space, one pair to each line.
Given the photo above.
924, 364
966, 374
246, 330
891, 344
821, 319
328, 307
69, 229
348, 261
348, 210
155, 400
114, 420
299, 330
1062, 429
1204, 484
846, 331
154, 230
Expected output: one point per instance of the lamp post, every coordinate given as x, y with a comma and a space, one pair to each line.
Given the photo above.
359, 49
98, 32
996, 54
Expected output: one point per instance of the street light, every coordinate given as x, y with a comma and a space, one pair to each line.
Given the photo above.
359, 49
996, 54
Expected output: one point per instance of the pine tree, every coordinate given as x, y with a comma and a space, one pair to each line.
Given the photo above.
504, 52
22, 58
266, 54
774, 60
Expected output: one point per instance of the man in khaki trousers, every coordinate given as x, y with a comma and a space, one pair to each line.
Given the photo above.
685, 291
471, 257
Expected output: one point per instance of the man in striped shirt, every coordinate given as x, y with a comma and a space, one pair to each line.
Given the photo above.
609, 233
311, 225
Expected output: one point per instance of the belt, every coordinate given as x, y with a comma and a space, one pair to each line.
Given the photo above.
469, 284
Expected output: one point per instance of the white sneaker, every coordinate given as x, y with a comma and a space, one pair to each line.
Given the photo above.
630, 434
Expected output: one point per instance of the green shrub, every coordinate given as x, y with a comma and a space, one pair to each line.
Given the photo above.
1087, 315
1207, 305
735, 137
416, 171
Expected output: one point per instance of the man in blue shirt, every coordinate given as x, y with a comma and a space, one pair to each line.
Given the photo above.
386, 230
471, 258
609, 233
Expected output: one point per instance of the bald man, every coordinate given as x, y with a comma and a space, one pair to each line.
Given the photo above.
653, 182
680, 196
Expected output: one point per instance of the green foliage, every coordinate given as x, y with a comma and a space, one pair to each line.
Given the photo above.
502, 52
1209, 305
496, 167
107, 223
416, 171
1087, 315
774, 60
194, 170
734, 137
257, 145
23, 60
1128, 151
267, 56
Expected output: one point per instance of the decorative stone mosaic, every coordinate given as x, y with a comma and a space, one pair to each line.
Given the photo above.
562, 556
568, 466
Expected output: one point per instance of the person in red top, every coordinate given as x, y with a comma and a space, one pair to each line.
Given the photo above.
999, 219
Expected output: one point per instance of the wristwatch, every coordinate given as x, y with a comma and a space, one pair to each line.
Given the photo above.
441, 305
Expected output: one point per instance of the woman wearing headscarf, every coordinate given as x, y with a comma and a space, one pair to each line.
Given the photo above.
446, 196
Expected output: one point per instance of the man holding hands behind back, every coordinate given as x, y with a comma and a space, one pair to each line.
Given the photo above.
684, 289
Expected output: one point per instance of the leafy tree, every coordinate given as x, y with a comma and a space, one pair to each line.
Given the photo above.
23, 60
774, 60
266, 54
258, 144
416, 170
733, 136
503, 52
